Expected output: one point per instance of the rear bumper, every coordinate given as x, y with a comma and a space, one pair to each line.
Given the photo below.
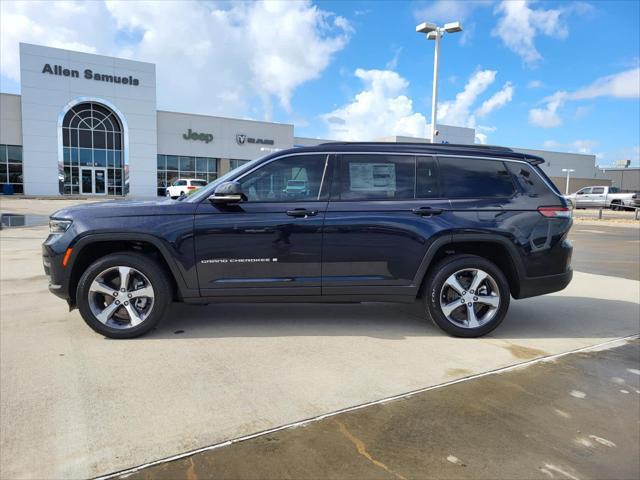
534, 286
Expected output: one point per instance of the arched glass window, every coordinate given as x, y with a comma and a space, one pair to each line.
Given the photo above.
92, 141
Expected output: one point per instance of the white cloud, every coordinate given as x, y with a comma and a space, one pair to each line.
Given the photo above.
620, 85
457, 112
547, 116
519, 24
535, 84
551, 144
393, 63
211, 57
497, 100
584, 146
381, 109
443, 11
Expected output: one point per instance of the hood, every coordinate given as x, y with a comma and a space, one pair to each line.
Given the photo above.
125, 208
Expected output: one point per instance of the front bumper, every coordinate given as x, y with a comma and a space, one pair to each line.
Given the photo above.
55, 272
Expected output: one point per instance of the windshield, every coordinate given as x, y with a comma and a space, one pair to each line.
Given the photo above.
207, 191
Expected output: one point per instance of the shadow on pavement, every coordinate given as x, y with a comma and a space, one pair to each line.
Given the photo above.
543, 317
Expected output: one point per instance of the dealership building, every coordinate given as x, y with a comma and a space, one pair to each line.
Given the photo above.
88, 124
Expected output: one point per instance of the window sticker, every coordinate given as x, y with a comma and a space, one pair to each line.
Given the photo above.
373, 177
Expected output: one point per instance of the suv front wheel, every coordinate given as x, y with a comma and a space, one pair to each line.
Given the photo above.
466, 295
123, 295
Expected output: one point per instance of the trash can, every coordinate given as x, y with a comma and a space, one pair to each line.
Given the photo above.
7, 189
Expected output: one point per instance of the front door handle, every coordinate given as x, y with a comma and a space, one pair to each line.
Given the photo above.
302, 213
427, 211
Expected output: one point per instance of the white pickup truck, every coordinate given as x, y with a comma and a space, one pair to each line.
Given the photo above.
602, 197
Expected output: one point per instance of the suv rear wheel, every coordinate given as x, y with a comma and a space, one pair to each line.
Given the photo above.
123, 295
466, 295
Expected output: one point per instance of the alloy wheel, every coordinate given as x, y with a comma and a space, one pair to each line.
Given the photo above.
469, 298
121, 297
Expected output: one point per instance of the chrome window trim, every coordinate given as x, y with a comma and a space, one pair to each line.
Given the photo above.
412, 154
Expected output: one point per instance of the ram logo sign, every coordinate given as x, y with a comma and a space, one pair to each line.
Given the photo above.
241, 139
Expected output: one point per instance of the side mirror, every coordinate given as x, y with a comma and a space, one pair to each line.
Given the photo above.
227, 192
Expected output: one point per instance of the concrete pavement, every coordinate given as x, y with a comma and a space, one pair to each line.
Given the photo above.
574, 417
77, 405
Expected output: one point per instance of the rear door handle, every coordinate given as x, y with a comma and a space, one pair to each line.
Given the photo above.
427, 211
302, 213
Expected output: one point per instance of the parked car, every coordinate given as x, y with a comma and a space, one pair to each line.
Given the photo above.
183, 186
462, 227
601, 197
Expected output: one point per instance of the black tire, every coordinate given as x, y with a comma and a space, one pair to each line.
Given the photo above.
433, 287
154, 273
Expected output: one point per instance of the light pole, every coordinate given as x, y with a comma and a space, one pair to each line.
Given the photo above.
568, 170
434, 32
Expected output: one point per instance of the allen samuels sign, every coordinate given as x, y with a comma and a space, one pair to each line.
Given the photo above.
90, 75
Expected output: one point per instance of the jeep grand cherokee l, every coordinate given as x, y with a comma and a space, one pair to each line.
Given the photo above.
461, 227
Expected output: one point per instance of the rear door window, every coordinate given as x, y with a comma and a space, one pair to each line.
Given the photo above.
597, 191
377, 177
474, 178
427, 185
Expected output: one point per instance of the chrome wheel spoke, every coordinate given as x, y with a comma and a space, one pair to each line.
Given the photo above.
107, 312
99, 287
491, 300
472, 320
479, 277
124, 273
453, 282
450, 307
134, 316
146, 292
464, 307
127, 308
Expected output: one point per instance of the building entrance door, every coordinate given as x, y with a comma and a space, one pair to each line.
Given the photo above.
93, 181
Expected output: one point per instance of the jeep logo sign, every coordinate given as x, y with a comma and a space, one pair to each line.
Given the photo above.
203, 137
241, 139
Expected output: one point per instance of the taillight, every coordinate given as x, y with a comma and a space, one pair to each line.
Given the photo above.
555, 212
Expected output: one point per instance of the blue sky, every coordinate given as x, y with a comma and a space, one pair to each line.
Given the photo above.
550, 75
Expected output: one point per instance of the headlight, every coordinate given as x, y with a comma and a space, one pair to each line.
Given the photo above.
59, 226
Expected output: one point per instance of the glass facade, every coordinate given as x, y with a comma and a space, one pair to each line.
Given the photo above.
11, 168
233, 164
173, 167
92, 142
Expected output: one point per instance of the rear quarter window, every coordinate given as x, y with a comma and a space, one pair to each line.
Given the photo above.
474, 178
527, 179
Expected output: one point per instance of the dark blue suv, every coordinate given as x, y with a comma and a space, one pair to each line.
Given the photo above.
462, 227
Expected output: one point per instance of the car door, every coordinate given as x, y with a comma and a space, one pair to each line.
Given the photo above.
271, 243
582, 197
597, 198
385, 211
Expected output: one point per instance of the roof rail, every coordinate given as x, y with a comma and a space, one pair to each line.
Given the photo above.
443, 146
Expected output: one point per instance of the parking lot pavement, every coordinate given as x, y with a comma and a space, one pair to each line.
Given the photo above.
574, 417
75, 404
606, 250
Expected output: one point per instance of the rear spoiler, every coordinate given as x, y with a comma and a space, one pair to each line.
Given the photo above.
533, 160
